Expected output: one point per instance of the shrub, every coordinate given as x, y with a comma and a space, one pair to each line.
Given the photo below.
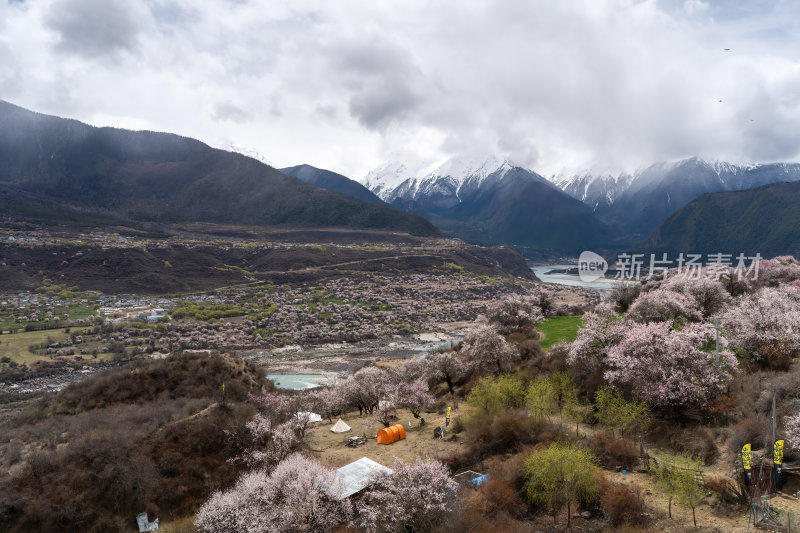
751, 429
507, 432
561, 475
726, 489
698, 442
623, 505
614, 452
496, 394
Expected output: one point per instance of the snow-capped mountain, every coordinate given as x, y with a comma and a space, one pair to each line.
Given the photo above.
637, 202
595, 190
490, 200
435, 187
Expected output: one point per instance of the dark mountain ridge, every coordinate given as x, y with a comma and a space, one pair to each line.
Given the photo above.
496, 202
332, 182
57, 167
635, 204
764, 220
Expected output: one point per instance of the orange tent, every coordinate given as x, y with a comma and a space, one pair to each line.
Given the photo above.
391, 434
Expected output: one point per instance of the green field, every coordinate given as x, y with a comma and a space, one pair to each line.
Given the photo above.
16, 346
559, 328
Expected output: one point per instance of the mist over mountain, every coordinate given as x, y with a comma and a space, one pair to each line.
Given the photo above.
491, 201
764, 220
63, 171
635, 203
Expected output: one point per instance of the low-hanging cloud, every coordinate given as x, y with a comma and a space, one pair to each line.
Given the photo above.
346, 84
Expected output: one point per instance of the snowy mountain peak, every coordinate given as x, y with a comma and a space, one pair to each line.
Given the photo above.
461, 169
389, 176
407, 180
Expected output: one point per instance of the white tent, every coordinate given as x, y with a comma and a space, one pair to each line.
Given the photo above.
340, 427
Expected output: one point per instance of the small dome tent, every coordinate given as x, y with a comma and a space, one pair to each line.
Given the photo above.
391, 434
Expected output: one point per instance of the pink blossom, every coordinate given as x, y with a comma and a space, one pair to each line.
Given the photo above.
597, 334
299, 495
516, 312
485, 348
415, 497
670, 368
414, 396
765, 321
792, 428
663, 304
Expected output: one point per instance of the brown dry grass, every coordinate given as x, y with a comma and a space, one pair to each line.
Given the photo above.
330, 447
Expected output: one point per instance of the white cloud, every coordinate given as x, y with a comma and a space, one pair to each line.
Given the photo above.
347, 84
695, 6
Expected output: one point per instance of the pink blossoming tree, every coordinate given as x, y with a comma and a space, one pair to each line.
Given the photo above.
765, 324
662, 304
485, 348
792, 428
516, 312
448, 367
670, 369
299, 495
414, 498
414, 396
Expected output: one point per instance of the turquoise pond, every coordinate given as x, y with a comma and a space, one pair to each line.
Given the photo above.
296, 381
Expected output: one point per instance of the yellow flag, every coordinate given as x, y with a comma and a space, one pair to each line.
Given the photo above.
777, 453
746, 461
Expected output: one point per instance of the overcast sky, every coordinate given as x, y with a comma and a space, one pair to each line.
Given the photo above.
348, 85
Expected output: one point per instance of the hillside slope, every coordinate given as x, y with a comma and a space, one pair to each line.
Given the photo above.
61, 170
332, 182
764, 220
636, 203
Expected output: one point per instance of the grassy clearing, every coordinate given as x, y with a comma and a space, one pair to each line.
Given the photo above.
16, 346
330, 447
559, 328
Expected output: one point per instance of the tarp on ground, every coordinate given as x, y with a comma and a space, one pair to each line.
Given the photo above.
356, 476
340, 427
144, 524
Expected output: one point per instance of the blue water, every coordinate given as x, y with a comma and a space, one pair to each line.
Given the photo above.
296, 381
568, 279
437, 346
